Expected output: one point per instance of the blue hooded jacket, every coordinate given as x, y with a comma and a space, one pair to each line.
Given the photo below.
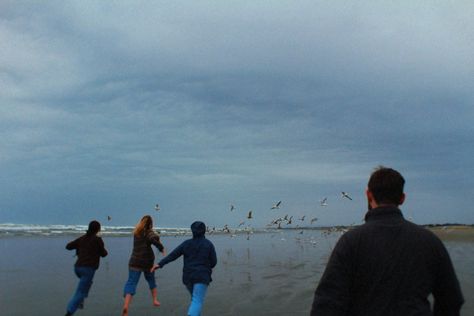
199, 256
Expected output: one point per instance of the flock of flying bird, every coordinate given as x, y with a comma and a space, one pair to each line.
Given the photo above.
286, 219
276, 223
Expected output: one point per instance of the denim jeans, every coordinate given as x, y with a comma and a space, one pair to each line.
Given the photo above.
198, 293
85, 275
134, 277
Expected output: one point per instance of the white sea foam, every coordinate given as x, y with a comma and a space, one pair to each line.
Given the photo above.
9, 229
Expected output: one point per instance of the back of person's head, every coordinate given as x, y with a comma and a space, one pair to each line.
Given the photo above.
198, 228
386, 185
94, 228
143, 226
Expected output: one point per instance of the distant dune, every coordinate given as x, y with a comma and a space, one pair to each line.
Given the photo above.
453, 232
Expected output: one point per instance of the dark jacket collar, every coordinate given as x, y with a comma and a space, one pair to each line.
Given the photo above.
383, 212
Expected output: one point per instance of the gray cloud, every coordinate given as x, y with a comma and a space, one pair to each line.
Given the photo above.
205, 103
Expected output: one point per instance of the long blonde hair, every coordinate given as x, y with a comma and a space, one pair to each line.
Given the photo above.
145, 225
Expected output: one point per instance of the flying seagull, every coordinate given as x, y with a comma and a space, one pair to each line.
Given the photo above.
324, 202
314, 220
232, 207
109, 218
345, 195
250, 215
276, 206
157, 207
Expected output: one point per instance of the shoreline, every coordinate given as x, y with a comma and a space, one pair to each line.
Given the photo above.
446, 232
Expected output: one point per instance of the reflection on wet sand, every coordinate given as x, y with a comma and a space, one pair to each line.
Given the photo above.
273, 273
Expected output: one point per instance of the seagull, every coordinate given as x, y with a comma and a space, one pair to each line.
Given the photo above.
345, 195
289, 220
286, 217
314, 220
276, 221
157, 207
249, 216
241, 223
324, 202
276, 206
302, 218
232, 207
226, 229
109, 218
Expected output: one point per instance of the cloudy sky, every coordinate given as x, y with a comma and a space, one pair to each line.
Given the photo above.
107, 108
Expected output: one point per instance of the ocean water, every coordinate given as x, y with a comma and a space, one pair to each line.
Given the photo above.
264, 273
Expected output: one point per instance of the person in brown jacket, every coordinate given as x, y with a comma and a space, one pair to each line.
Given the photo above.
142, 260
89, 248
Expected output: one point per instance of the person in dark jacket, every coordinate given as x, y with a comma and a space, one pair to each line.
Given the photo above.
89, 248
199, 260
142, 260
388, 266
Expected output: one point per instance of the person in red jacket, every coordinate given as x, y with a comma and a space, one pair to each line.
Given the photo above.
388, 266
89, 248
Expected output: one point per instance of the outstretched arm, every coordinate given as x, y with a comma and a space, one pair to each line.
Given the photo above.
154, 239
175, 254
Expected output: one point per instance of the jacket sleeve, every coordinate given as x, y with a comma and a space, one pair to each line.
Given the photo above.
212, 256
447, 295
73, 244
102, 251
332, 295
175, 254
154, 239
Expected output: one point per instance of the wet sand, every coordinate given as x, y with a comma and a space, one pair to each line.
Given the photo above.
269, 274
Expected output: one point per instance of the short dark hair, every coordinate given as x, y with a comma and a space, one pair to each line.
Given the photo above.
94, 228
386, 185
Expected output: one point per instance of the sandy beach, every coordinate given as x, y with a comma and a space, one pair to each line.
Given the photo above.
454, 232
273, 273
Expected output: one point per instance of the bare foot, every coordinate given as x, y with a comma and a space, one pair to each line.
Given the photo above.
156, 303
125, 312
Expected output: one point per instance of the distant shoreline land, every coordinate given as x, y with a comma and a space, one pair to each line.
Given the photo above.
453, 232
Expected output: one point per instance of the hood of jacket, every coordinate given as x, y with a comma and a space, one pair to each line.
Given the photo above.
198, 229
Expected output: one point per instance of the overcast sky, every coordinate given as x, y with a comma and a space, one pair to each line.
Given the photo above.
107, 108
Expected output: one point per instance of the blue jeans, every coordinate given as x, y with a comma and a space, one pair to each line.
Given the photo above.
134, 277
198, 293
85, 275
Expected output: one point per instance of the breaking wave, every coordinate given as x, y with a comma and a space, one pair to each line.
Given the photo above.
11, 230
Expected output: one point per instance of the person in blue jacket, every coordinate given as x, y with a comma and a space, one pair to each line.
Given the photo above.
199, 260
